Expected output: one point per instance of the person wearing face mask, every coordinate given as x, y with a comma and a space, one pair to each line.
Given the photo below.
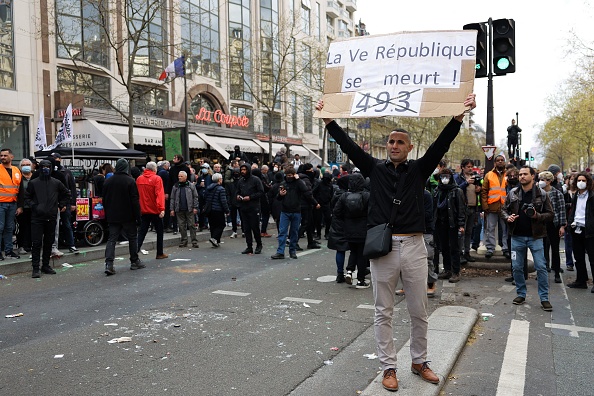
24, 217
45, 196
556, 228
450, 219
581, 226
231, 189
203, 180
469, 183
557, 177
570, 191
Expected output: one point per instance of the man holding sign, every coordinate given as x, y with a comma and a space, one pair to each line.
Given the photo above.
408, 256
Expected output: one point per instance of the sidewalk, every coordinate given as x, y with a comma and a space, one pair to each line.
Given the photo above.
89, 253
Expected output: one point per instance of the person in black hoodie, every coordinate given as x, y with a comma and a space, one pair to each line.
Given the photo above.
449, 209
306, 173
336, 238
176, 166
352, 209
275, 204
323, 192
264, 202
65, 216
122, 212
249, 192
291, 193
45, 196
231, 190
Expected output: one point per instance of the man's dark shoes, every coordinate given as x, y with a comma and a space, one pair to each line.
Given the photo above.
248, 251
519, 300
46, 269
489, 254
340, 278
36, 273
546, 306
293, 255
575, 285
299, 248
12, 255
314, 245
444, 275
258, 249
557, 278
507, 255
425, 372
463, 260
570, 268
390, 382
509, 279
277, 256
469, 258
109, 270
455, 278
161, 256
137, 265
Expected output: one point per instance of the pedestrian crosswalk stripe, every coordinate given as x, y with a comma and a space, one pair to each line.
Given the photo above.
490, 301
569, 327
303, 300
513, 369
231, 293
506, 288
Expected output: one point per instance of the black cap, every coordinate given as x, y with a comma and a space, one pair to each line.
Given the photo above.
56, 155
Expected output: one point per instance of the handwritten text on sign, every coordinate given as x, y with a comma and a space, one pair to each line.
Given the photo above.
389, 74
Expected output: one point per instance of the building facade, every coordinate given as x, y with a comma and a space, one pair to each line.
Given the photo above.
253, 71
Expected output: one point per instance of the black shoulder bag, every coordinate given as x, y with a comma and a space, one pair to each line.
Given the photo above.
378, 241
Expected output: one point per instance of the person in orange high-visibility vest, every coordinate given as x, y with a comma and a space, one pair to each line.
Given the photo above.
492, 199
10, 180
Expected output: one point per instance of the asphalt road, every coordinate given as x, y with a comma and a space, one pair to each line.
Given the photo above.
214, 322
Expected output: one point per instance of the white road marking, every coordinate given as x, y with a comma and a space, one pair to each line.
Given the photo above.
310, 251
571, 319
448, 297
513, 370
366, 306
571, 328
301, 300
445, 283
507, 288
231, 293
490, 301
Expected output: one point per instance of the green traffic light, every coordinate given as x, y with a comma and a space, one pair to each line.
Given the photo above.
502, 63
477, 66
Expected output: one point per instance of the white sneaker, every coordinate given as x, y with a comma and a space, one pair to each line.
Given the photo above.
145, 252
22, 251
229, 225
363, 284
57, 253
234, 235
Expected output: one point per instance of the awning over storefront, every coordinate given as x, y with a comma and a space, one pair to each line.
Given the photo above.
213, 144
142, 136
91, 134
196, 142
303, 151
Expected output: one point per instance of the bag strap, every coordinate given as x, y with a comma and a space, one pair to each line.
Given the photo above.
396, 201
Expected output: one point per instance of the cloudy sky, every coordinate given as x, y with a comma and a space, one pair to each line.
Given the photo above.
543, 56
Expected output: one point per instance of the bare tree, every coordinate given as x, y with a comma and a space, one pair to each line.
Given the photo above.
124, 41
282, 65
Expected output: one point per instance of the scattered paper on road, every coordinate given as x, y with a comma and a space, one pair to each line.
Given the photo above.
120, 340
58, 356
180, 259
110, 324
66, 265
145, 252
15, 315
370, 356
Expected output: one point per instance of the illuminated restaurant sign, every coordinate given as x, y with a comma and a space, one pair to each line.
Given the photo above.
221, 118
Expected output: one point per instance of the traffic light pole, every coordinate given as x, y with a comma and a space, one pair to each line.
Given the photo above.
490, 141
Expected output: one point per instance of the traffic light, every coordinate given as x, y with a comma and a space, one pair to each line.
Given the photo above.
504, 46
531, 158
481, 48
527, 155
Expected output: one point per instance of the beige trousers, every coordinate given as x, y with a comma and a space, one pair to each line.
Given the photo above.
406, 261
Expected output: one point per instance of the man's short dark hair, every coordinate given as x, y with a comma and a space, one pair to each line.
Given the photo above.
290, 171
532, 170
307, 167
6, 149
465, 162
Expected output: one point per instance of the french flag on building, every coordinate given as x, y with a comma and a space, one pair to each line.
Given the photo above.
175, 69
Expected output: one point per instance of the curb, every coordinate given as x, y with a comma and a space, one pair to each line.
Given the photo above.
448, 332
90, 253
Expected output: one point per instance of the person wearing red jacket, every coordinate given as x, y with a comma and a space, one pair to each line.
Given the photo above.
152, 206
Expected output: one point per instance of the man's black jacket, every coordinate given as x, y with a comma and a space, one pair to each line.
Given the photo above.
384, 179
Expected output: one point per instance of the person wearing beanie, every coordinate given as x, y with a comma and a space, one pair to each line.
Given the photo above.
557, 177
45, 196
122, 213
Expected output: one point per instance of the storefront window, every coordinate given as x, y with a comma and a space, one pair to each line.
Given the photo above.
200, 106
243, 111
200, 37
6, 46
91, 86
81, 27
14, 134
150, 101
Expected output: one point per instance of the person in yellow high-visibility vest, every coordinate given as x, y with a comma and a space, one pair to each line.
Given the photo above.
10, 180
492, 199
